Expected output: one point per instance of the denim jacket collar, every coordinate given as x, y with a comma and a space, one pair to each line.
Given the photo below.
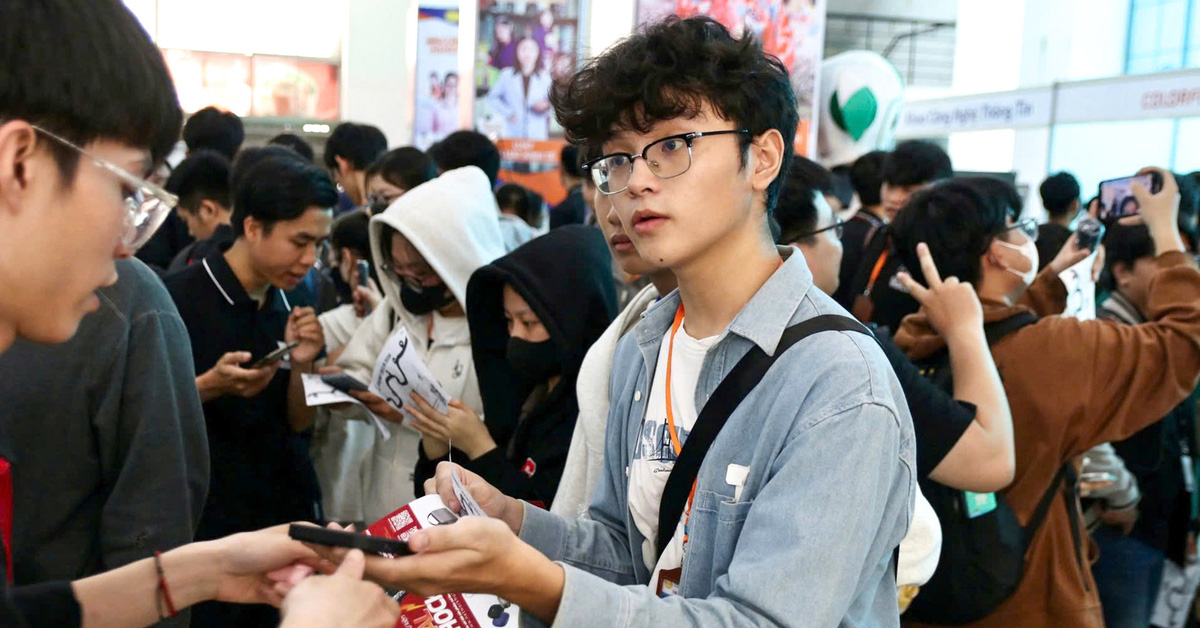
762, 321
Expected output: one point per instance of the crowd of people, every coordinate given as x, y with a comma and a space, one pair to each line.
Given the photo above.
718, 384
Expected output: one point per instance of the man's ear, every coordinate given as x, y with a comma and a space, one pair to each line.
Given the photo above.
18, 144
768, 151
252, 229
991, 257
209, 210
343, 164
1121, 272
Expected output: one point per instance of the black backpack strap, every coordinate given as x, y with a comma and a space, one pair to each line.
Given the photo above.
996, 330
725, 399
1043, 507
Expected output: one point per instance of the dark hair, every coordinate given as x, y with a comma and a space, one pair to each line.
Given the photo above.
296, 143
352, 231
797, 208
514, 197
1058, 192
214, 129
405, 167
86, 70
1124, 244
359, 144
916, 163
204, 175
866, 175
248, 158
467, 148
957, 219
280, 188
568, 160
671, 70
840, 186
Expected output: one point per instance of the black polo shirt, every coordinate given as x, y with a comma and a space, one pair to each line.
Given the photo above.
261, 472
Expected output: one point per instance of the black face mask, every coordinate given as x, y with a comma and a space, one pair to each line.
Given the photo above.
533, 362
427, 300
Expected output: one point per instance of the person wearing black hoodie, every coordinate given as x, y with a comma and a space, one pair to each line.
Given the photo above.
533, 314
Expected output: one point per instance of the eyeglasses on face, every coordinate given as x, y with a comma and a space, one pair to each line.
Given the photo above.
147, 206
1029, 227
667, 158
838, 227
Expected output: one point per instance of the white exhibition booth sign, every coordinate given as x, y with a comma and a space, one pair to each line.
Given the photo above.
1151, 96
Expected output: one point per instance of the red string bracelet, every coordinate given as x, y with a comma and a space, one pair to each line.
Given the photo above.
162, 586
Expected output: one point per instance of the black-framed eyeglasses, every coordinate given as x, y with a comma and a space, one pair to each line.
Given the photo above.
838, 228
1029, 227
667, 158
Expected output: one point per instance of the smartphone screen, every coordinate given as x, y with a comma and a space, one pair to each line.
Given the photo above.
364, 272
274, 356
1116, 196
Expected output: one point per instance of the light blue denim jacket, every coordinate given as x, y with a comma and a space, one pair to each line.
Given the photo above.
829, 443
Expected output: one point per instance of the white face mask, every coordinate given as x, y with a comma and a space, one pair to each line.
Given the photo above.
1029, 251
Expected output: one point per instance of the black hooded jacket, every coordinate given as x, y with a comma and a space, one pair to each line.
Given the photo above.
566, 278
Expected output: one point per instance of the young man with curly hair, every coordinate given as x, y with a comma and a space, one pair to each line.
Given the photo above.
806, 491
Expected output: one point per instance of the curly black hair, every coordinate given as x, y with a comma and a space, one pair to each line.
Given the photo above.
671, 70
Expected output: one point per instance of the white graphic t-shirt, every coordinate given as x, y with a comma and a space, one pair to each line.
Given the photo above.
654, 455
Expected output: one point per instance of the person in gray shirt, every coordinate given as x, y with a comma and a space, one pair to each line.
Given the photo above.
116, 467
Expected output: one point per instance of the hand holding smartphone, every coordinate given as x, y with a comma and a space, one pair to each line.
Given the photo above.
351, 540
1116, 195
274, 356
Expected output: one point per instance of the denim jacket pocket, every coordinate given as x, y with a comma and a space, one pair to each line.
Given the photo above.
713, 529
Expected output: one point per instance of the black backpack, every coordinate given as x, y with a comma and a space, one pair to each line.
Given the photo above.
983, 558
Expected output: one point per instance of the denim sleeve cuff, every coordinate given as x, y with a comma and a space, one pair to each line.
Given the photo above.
547, 533
587, 600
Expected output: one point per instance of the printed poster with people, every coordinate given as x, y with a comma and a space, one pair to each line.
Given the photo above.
437, 76
523, 48
793, 30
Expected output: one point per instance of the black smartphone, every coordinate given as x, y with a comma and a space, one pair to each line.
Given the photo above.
364, 272
343, 382
1117, 199
274, 356
1089, 232
353, 540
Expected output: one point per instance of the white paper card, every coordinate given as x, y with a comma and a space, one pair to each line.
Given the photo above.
1175, 595
470, 507
318, 393
1081, 290
400, 371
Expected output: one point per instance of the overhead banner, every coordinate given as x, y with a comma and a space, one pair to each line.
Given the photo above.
793, 30
1145, 97
1008, 110
437, 76
522, 48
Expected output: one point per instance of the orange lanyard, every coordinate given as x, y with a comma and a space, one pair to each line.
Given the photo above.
675, 444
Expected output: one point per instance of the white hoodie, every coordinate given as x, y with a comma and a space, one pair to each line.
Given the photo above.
585, 459
452, 221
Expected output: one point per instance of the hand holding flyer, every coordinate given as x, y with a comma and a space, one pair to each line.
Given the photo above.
400, 371
451, 609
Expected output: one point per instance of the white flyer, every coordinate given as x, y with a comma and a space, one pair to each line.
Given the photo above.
318, 393
1081, 290
400, 371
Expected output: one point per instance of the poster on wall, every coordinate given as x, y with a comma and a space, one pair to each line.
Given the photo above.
258, 85
793, 30
523, 47
437, 76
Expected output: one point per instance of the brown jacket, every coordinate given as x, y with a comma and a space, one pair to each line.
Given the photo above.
1072, 385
